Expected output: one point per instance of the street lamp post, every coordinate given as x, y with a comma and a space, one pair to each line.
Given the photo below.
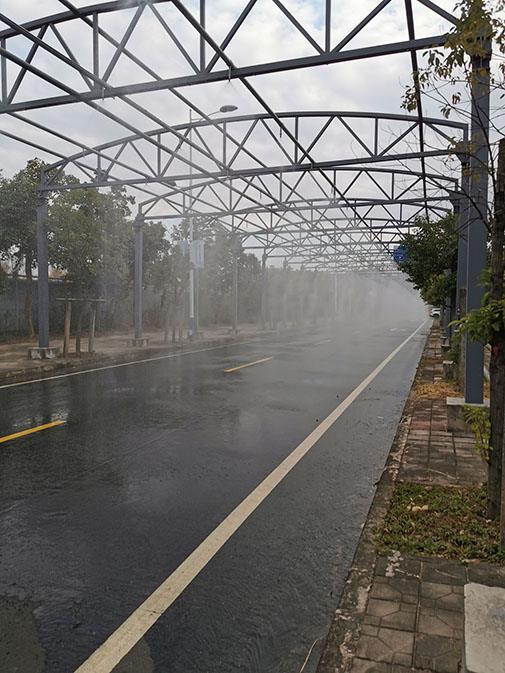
192, 271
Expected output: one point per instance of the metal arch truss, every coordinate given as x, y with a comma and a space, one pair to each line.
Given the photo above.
205, 57
271, 188
280, 180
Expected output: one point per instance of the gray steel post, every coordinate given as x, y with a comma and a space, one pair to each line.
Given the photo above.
446, 308
197, 301
66, 333
263, 290
43, 273
235, 284
477, 223
462, 223
335, 295
138, 279
191, 327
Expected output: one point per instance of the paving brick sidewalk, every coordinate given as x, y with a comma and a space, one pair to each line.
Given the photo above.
401, 613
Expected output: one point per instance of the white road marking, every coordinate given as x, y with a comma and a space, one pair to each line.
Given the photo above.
126, 636
123, 364
129, 363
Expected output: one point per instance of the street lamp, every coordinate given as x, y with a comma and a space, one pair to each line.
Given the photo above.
193, 322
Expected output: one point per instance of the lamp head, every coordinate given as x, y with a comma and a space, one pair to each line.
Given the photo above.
228, 108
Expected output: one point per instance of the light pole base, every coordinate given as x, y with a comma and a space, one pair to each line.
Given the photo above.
49, 353
455, 416
141, 342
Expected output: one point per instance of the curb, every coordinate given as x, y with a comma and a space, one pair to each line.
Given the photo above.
339, 647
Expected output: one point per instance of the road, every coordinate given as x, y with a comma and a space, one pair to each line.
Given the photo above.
98, 511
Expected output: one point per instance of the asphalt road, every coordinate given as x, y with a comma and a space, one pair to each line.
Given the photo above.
96, 513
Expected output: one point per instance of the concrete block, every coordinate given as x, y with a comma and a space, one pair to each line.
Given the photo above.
446, 345
484, 633
455, 419
449, 370
36, 353
138, 343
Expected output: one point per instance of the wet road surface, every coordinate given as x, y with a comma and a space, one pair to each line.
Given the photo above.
97, 512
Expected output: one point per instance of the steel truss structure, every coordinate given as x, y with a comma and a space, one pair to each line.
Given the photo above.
323, 189
358, 202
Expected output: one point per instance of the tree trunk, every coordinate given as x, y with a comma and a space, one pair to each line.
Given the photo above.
497, 341
29, 297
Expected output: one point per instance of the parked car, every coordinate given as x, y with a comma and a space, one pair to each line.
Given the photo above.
435, 312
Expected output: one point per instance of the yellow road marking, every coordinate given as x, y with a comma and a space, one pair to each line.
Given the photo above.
23, 433
249, 364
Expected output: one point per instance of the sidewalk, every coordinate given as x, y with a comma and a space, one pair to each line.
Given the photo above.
109, 348
401, 613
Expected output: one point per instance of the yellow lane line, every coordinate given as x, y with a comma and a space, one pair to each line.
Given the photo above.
249, 364
23, 433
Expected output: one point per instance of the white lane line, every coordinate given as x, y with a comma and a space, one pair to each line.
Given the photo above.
124, 364
126, 636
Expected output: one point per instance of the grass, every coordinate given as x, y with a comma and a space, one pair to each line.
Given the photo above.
452, 524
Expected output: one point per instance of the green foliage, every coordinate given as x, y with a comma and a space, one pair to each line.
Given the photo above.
18, 199
480, 324
429, 253
479, 19
480, 424
453, 523
18, 227
90, 238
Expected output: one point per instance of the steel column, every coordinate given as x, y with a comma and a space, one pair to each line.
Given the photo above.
477, 224
197, 301
191, 328
264, 290
43, 273
138, 279
236, 251
446, 308
462, 223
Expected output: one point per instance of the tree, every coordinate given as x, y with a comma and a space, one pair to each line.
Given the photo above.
429, 253
18, 227
481, 23
89, 241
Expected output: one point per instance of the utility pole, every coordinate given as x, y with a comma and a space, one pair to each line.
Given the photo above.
193, 322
